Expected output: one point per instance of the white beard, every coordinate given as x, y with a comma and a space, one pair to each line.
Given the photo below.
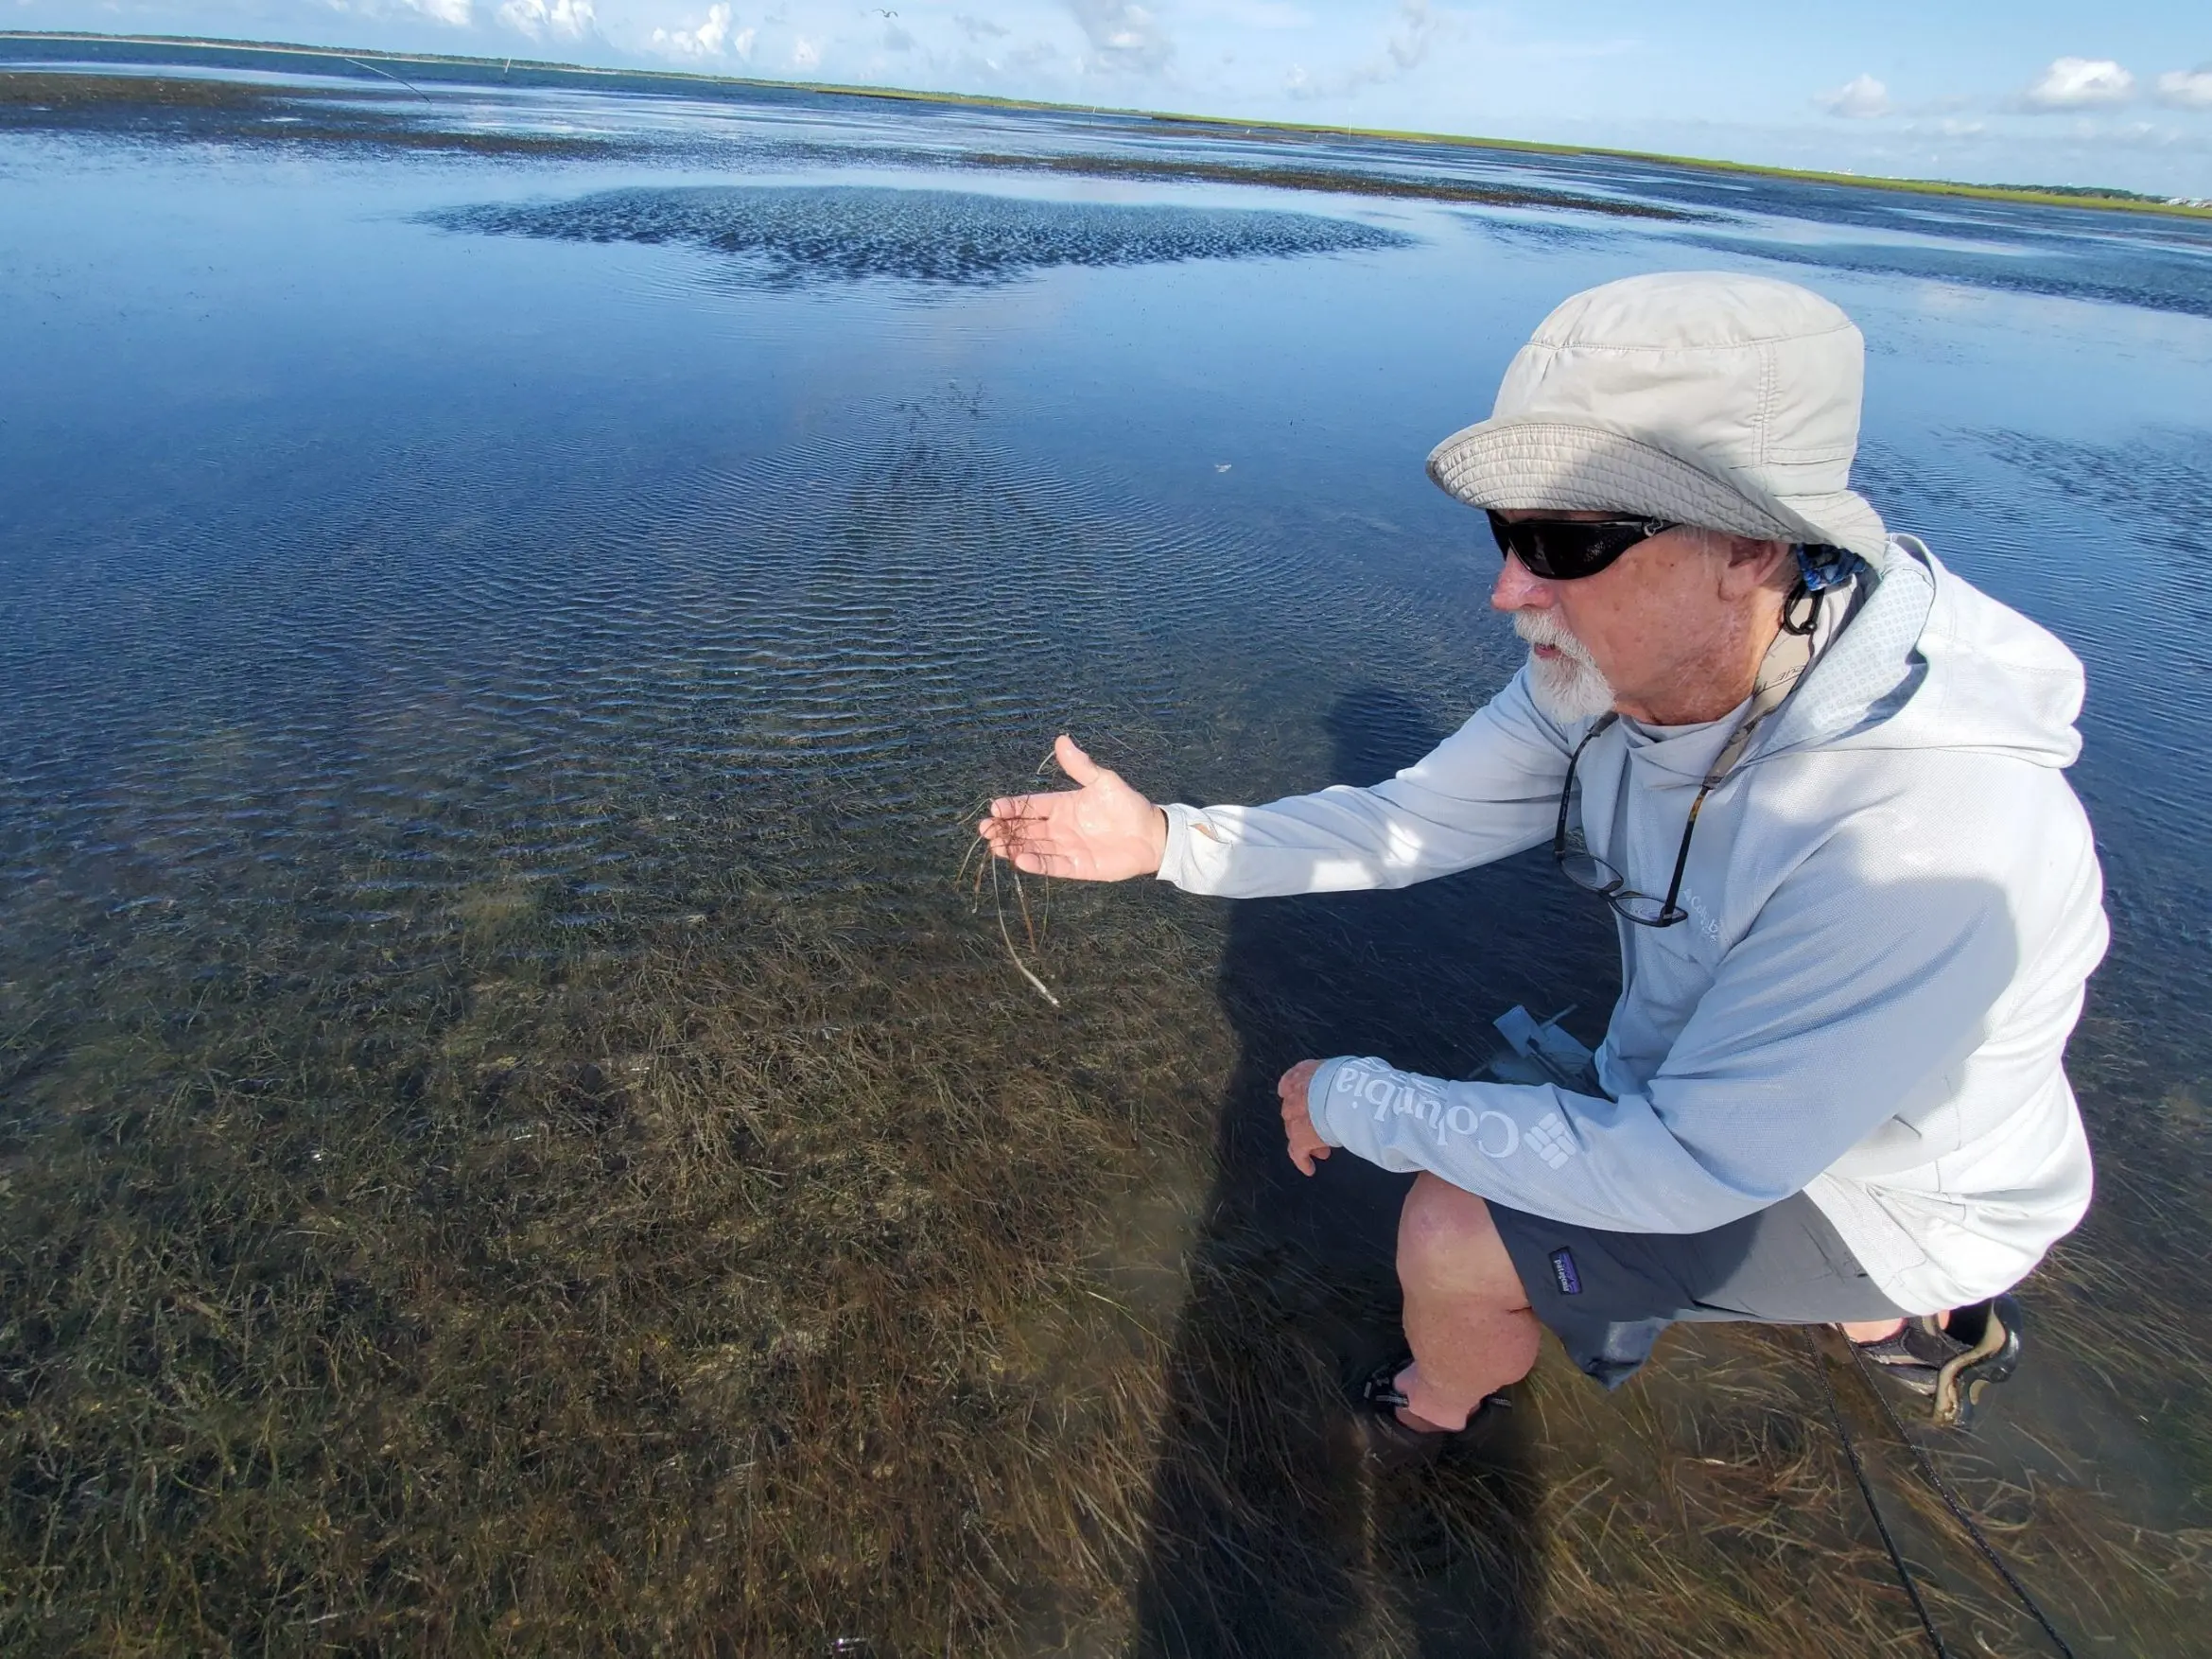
1568, 688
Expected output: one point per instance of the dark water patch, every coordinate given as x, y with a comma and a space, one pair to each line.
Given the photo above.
1913, 484
2139, 271
1540, 235
1327, 181
53, 92
2159, 485
792, 236
206, 110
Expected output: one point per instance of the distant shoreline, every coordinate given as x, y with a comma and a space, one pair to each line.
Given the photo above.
1227, 125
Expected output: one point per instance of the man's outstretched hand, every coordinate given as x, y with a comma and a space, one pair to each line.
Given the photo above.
1101, 830
1306, 1146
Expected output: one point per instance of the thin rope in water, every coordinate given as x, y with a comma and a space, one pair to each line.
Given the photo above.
388, 75
1959, 1513
1866, 1490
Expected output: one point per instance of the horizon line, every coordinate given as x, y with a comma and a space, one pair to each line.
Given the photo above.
2091, 197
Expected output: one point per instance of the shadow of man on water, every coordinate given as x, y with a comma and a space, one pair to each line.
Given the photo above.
1268, 1536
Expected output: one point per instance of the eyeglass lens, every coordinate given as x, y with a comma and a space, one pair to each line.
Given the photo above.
1594, 875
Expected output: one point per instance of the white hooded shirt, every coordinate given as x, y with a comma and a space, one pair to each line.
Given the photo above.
1894, 903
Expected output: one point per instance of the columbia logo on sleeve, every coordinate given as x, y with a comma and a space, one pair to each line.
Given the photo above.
1551, 1139
1390, 1093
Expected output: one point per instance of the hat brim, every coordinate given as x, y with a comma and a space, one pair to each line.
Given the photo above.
1570, 466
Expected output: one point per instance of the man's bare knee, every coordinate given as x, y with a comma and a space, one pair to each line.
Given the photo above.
1448, 1243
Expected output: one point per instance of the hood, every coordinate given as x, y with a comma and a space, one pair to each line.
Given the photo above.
1931, 662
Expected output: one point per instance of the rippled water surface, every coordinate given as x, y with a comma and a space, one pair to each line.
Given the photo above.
510, 594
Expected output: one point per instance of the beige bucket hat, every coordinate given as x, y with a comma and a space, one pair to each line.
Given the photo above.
1700, 396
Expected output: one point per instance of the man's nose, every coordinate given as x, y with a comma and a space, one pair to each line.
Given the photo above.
1517, 590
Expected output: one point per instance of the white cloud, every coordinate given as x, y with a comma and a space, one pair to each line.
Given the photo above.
1861, 98
805, 54
562, 19
2074, 83
705, 40
1123, 37
1252, 15
978, 28
1405, 48
1417, 31
2186, 89
459, 13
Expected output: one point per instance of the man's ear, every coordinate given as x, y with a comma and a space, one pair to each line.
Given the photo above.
1750, 564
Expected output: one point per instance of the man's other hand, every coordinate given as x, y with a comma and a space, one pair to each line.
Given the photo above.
1306, 1148
1102, 831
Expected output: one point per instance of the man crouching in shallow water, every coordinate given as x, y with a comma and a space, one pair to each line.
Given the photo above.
1820, 787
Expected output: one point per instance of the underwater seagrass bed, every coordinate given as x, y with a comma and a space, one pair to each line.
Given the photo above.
513, 1138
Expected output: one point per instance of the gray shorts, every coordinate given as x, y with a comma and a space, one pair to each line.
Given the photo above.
1609, 1295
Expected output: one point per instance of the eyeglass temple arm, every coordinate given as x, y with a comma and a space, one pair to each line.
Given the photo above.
1567, 790
1682, 857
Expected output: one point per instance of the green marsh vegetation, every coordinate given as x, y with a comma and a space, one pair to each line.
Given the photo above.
787, 1273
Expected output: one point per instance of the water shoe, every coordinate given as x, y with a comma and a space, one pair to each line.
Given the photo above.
1954, 1364
1390, 1444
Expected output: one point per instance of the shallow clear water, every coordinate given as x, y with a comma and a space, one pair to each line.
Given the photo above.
699, 512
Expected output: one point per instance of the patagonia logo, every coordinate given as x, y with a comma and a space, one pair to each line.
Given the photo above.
1563, 1271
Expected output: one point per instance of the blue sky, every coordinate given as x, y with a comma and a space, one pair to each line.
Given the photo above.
2027, 90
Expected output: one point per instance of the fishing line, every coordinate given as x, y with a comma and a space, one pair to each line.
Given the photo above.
1943, 1490
388, 75
1866, 1490
1958, 1512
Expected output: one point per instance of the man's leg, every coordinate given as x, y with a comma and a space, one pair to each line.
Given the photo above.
1872, 1330
1881, 1330
1467, 1316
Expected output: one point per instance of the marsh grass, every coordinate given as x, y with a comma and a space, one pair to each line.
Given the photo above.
208, 110
784, 1272
1325, 180
789, 1276
555, 1316
976, 858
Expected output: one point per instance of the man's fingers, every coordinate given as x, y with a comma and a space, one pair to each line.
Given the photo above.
1030, 809
1031, 854
1074, 762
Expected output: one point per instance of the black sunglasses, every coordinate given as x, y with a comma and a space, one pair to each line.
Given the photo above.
1565, 549
1594, 875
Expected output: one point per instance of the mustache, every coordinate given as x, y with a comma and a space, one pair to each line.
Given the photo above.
1542, 628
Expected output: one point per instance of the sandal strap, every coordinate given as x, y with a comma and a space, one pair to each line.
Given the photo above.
1381, 1392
